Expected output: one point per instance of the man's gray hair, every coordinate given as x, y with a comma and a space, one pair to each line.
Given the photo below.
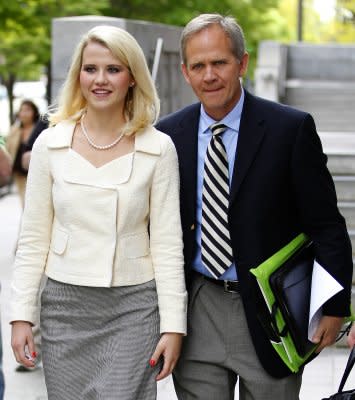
229, 25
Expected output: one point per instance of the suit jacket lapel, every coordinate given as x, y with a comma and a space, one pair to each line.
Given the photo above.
185, 140
251, 133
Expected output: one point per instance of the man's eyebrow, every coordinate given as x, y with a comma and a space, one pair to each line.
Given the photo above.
196, 62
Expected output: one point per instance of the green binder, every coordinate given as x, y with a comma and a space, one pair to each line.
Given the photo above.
271, 314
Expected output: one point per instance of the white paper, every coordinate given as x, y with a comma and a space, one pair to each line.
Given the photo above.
324, 286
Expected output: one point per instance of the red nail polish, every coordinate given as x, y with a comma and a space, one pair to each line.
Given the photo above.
34, 354
152, 363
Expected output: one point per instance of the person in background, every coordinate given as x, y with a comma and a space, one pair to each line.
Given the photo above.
5, 173
41, 125
102, 222
16, 142
253, 177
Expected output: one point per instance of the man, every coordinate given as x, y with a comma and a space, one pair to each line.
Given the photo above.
238, 212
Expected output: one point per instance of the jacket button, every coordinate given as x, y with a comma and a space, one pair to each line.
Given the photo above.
192, 227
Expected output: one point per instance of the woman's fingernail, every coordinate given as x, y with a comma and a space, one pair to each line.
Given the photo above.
34, 354
152, 363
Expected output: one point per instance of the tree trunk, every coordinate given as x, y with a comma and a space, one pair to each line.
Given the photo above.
9, 84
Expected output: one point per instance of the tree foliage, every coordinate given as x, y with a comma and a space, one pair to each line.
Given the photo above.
25, 32
257, 17
346, 11
25, 25
342, 29
339, 29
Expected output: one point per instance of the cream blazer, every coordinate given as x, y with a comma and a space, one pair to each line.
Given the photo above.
115, 225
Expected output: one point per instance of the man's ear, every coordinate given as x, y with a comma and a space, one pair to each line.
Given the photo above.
244, 64
185, 72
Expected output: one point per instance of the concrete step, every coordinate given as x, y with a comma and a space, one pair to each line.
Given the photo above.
328, 119
340, 149
317, 103
347, 209
331, 61
318, 97
345, 187
342, 143
320, 84
352, 238
330, 102
341, 164
338, 94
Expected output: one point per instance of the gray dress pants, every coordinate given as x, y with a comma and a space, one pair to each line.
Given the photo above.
218, 351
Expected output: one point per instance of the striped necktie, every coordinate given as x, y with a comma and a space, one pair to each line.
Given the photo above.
216, 248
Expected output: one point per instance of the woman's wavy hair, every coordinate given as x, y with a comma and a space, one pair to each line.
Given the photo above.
142, 104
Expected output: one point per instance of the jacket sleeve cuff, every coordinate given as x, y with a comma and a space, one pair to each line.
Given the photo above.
338, 305
24, 313
173, 318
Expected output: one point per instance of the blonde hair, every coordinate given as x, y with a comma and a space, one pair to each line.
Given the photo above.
142, 104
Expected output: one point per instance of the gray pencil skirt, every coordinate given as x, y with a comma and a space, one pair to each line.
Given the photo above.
97, 342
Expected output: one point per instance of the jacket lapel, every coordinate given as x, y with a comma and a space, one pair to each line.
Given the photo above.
185, 140
251, 133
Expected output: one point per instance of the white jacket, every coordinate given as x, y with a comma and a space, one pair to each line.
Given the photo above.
88, 226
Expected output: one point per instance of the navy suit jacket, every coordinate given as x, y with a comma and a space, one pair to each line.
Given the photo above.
280, 187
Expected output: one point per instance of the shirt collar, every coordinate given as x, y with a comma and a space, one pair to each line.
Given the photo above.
231, 120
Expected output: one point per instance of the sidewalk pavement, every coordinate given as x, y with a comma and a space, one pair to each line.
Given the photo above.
320, 379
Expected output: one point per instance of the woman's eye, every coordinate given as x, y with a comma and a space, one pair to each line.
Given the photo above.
113, 69
89, 68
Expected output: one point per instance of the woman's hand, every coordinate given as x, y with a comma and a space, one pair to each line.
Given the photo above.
168, 347
22, 343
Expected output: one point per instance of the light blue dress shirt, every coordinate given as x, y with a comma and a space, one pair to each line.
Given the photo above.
230, 140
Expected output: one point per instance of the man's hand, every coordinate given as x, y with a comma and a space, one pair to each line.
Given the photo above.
327, 331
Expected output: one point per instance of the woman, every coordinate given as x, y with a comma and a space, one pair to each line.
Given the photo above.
102, 222
20, 131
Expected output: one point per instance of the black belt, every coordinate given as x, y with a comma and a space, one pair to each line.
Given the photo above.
229, 286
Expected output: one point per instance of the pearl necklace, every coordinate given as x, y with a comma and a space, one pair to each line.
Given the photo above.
96, 146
